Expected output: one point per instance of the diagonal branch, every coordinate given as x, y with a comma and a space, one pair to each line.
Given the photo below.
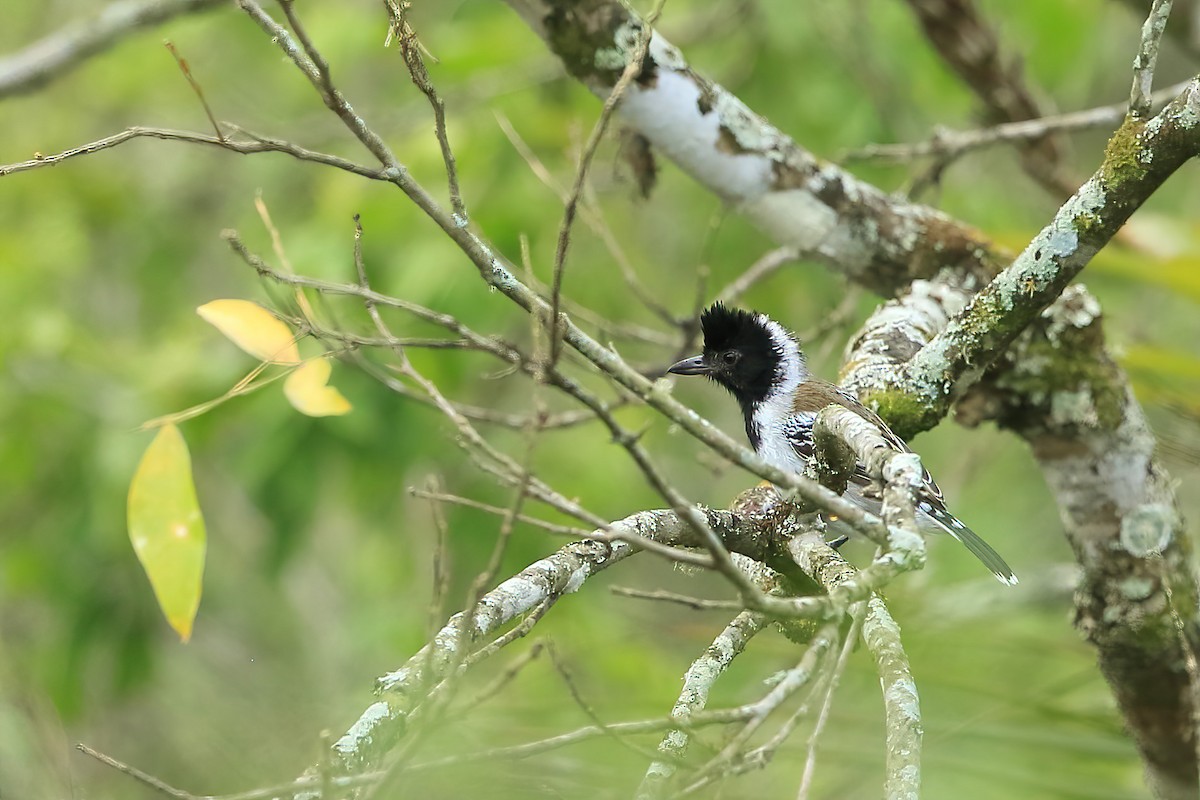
797, 199
1139, 157
401, 691
56, 54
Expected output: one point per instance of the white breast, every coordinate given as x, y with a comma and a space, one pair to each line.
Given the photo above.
771, 417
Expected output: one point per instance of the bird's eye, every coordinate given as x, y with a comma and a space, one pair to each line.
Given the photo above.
730, 357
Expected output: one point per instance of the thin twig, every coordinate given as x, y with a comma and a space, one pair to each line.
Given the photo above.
410, 50
501, 681
702, 719
970, 46
317, 64
631, 71
518, 631
466, 502
587, 709
259, 144
789, 683
767, 264
441, 558
956, 143
187, 73
591, 214
1147, 58
697, 603
149, 780
810, 760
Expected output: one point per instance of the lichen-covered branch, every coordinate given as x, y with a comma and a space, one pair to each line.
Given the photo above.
697, 682
1140, 156
1058, 388
881, 634
402, 691
1136, 601
902, 708
1146, 59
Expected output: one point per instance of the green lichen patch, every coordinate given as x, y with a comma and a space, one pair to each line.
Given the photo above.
1064, 374
1123, 157
902, 411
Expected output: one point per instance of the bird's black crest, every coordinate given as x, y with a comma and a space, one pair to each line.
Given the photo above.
726, 328
757, 367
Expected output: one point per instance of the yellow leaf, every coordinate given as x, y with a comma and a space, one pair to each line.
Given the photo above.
166, 528
309, 392
252, 328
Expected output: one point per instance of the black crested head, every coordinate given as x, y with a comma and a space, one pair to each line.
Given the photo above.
742, 352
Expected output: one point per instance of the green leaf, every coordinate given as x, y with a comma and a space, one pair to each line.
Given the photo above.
166, 528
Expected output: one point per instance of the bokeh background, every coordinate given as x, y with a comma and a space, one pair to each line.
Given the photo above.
319, 569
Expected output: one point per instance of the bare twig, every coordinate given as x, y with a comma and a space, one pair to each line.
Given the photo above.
258, 144
701, 719
661, 595
951, 144
631, 71
768, 264
518, 631
501, 681
441, 556
141, 777
467, 502
810, 760
966, 41
187, 73
587, 709
592, 214
410, 50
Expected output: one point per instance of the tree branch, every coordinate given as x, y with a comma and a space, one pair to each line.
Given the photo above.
56, 54
799, 200
383, 723
1140, 156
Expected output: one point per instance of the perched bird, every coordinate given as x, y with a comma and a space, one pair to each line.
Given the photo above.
761, 364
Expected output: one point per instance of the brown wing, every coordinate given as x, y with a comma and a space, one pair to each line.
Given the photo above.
813, 395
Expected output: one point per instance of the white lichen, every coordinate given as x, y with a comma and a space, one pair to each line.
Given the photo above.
902, 696
1073, 408
360, 732
666, 55
1148, 529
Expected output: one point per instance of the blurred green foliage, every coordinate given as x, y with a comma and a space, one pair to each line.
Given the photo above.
319, 561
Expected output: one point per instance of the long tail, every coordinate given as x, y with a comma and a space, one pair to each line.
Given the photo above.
978, 547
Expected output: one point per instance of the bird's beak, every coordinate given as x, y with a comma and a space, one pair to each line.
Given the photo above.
696, 365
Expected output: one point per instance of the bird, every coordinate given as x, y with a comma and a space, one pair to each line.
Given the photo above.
761, 364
